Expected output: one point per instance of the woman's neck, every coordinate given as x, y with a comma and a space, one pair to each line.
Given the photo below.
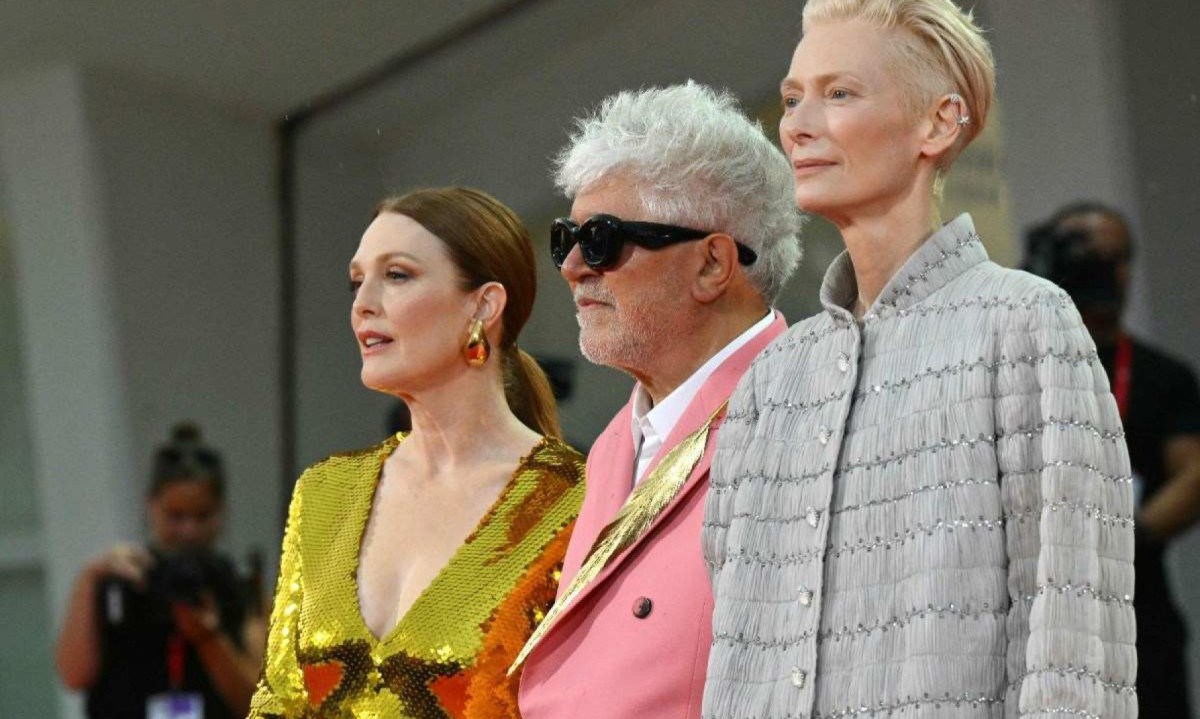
880, 242
462, 423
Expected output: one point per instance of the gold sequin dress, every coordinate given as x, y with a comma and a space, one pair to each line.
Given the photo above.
448, 656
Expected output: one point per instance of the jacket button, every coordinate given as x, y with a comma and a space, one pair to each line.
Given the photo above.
642, 607
799, 677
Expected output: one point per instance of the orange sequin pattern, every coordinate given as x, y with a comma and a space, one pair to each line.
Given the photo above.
448, 656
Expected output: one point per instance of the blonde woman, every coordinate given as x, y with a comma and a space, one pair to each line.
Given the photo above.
921, 501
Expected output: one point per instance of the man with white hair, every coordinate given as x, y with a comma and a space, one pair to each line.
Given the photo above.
682, 233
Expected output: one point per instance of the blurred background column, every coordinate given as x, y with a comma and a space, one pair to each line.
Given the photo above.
140, 287
66, 447
1064, 104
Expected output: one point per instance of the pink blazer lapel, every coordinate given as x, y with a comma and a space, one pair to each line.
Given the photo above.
614, 462
609, 479
714, 391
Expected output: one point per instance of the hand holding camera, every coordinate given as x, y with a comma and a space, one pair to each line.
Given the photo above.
199, 623
128, 562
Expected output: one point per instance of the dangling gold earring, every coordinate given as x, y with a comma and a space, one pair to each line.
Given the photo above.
477, 348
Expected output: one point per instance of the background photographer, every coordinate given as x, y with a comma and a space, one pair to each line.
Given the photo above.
1086, 249
171, 623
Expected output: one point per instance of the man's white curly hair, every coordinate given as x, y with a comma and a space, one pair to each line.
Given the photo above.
694, 160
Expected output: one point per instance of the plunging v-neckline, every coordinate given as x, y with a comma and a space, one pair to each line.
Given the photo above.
424, 598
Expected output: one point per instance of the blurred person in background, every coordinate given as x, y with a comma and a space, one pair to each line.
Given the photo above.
1087, 249
167, 627
414, 570
920, 502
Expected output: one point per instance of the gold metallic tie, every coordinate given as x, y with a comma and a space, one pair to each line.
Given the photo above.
643, 506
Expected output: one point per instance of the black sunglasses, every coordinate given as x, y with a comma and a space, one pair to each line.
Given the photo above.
601, 237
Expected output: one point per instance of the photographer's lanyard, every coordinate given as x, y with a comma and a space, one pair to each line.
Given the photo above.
175, 703
1123, 374
176, 656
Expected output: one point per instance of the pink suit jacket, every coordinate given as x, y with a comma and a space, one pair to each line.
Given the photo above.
607, 658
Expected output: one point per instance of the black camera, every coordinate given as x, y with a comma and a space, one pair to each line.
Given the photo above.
184, 576
1066, 257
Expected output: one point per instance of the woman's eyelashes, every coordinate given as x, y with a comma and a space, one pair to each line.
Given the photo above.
392, 275
792, 100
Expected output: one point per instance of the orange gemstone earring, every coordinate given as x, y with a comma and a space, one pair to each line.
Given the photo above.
477, 348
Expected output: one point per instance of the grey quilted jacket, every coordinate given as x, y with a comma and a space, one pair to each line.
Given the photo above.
928, 514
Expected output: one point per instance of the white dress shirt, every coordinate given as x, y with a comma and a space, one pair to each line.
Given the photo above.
652, 424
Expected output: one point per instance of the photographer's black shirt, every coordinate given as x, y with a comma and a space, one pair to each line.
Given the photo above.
1164, 402
136, 627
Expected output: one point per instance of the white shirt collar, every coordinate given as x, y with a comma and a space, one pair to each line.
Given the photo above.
651, 424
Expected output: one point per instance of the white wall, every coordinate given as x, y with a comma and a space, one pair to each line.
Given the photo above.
337, 186
1063, 104
1162, 74
141, 228
189, 192
71, 360
23, 651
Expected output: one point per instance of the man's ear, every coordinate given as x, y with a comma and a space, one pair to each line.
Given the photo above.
718, 269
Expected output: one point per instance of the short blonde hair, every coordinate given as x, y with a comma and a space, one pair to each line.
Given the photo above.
945, 52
